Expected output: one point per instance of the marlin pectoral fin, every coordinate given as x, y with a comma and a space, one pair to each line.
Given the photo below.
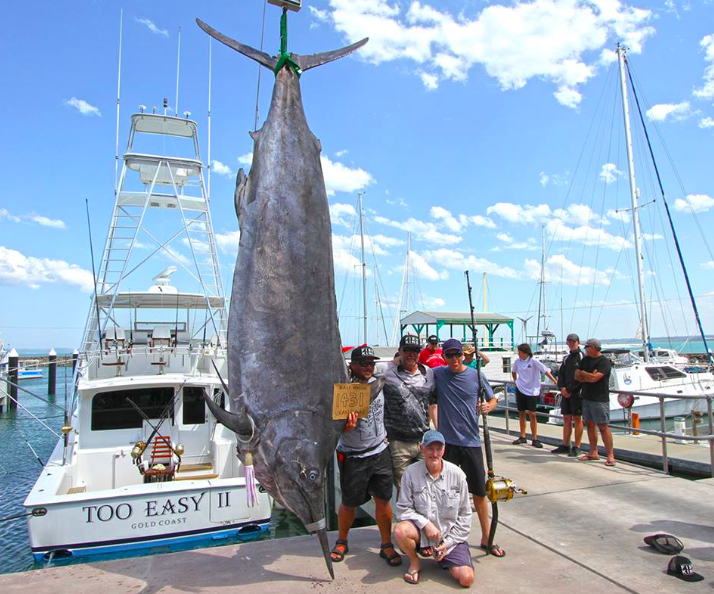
250, 52
238, 423
239, 195
307, 62
375, 388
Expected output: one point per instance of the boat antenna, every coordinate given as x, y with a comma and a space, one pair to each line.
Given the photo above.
94, 275
669, 217
116, 143
364, 264
178, 71
210, 63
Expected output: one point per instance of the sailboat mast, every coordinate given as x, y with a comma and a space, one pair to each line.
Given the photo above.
485, 294
635, 207
364, 266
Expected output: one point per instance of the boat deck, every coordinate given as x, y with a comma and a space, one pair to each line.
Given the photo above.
580, 526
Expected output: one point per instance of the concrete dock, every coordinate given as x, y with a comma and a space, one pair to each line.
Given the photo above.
579, 528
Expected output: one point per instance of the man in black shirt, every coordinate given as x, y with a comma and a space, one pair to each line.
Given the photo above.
594, 376
571, 403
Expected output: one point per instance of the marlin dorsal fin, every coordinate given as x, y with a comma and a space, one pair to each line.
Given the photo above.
313, 60
250, 52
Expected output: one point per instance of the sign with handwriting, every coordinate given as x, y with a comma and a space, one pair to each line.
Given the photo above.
347, 398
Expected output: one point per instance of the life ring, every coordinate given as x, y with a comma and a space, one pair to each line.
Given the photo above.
625, 400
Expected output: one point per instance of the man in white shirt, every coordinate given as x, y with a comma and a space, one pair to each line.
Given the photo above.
435, 510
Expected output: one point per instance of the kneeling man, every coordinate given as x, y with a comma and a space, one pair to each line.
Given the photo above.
435, 509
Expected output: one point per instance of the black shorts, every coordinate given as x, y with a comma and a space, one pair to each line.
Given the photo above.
470, 460
572, 406
362, 478
524, 402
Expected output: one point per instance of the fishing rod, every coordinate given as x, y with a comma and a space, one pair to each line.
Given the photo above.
498, 488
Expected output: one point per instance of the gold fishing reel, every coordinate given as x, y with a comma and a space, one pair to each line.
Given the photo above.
499, 488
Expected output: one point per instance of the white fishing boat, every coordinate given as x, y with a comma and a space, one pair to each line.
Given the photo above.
141, 461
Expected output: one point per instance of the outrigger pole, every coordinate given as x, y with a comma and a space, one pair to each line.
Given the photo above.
498, 488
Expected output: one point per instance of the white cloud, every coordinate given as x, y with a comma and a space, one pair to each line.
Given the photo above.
83, 107
228, 242
221, 169
706, 91
459, 261
376, 244
341, 153
18, 269
35, 218
694, 203
544, 178
559, 231
709, 266
510, 243
652, 236
619, 215
424, 270
246, 159
432, 303
340, 178
705, 123
342, 214
675, 111
343, 257
609, 173
524, 214
559, 269
424, 231
149, 24
554, 39
458, 223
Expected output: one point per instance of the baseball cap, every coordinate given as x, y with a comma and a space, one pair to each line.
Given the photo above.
451, 345
410, 341
363, 352
574, 337
433, 339
431, 436
469, 350
681, 567
665, 543
593, 342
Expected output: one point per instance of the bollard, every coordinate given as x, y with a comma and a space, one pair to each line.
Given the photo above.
680, 428
13, 374
75, 357
636, 423
52, 375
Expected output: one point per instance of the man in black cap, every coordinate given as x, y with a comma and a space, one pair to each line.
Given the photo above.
408, 394
571, 403
594, 377
432, 354
365, 464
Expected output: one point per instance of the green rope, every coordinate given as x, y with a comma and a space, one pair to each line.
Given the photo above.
285, 59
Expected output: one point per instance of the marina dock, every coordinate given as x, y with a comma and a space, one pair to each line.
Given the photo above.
581, 526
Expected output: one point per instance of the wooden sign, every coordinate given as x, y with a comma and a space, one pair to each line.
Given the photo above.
347, 398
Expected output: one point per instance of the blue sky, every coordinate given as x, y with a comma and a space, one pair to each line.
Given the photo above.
472, 125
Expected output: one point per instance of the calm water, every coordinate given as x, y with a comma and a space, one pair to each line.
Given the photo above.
19, 469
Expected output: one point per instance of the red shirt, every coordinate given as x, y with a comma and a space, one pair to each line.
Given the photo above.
432, 358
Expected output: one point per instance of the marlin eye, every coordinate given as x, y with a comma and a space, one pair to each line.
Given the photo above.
313, 475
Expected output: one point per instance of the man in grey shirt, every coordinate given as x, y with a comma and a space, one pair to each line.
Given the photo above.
435, 510
365, 464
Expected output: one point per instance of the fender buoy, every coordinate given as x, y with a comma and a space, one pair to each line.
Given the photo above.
625, 400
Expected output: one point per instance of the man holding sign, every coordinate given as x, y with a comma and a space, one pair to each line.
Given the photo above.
365, 464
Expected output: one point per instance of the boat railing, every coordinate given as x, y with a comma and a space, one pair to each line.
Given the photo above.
663, 434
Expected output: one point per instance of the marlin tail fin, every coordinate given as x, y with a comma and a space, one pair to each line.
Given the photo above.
250, 52
313, 60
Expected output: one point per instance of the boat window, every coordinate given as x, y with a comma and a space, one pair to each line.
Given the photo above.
194, 407
664, 373
110, 410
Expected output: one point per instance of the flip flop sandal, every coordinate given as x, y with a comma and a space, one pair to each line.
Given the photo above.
338, 555
494, 547
588, 458
393, 560
665, 543
413, 577
609, 463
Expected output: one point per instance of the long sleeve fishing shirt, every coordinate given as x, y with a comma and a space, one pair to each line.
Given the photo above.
444, 501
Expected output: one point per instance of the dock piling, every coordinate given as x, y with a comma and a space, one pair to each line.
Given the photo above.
52, 375
13, 374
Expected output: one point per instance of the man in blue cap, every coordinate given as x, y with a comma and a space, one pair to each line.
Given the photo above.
435, 513
456, 415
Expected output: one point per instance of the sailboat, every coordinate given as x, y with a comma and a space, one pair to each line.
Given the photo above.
141, 461
646, 370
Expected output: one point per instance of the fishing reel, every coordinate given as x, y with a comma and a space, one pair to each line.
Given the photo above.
499, 488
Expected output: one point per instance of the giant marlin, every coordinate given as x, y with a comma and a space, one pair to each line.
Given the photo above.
284, 348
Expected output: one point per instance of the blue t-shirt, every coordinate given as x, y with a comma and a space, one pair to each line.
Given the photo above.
456, 396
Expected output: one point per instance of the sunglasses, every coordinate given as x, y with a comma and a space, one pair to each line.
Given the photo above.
451, 354
365, 363
411, 350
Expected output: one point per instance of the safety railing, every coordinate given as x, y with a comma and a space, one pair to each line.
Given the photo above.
663, 434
